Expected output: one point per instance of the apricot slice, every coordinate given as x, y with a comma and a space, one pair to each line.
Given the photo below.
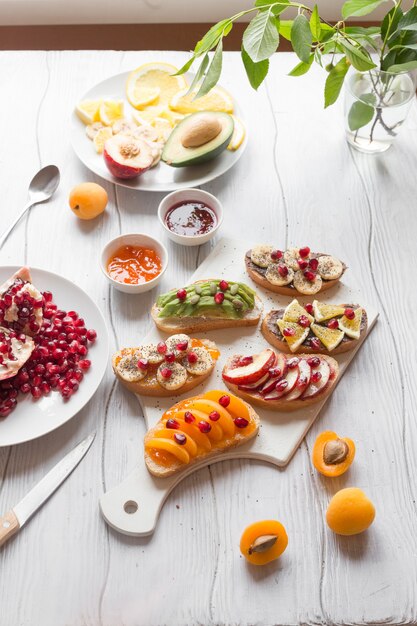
169, 446
169, 433
226, 422
193, 431
332, 455
263, 541
236, 406
88, 200
350, 512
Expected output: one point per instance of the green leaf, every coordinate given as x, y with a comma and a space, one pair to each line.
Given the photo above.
409, 20
403, 67
211, 38
256, 72
199, 73
285, 27
276, 6
334, 81
301, 38
359, 57
315, 26
261, 38
362, 30
369, 98
302, 68
213, 73
186, 66
360, 115
390, 22
359, 7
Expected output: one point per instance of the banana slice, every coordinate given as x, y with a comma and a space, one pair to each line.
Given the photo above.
261, 255
124, 126
128, 368
273, 276
146, 132
150, 352
92, 129
329, 267
203, 364
175, 340
305, 286
291, 257
177, 378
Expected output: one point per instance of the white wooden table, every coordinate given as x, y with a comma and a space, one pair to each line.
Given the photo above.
298, 183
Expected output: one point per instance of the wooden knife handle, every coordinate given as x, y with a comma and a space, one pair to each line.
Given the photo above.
9, 526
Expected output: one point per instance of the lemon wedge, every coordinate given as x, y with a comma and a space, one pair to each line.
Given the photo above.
298, 336
88, 111
294, 311
217, 99
101, 137
324, 312
141, 96
110, 111
352, 327
238, 136
153, 83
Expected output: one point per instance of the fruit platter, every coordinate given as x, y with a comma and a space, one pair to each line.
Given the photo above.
144, 129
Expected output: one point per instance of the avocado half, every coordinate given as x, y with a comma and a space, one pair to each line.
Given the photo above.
176, 155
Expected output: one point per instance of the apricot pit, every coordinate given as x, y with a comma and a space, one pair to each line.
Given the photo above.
263, 542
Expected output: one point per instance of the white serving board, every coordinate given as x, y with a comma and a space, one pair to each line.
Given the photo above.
280, 433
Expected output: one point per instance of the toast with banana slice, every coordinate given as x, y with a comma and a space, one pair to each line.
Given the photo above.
295, 270
170, 367
207, 305
315, 327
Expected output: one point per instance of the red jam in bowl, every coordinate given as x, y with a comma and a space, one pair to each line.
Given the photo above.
190, 218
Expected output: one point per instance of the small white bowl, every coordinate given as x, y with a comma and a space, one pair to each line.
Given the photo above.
134, 239
183, 195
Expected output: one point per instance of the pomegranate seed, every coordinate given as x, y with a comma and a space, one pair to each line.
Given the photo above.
91, 335
74, 347
73, 384
350, 314
304, 321
8, 299
224, 401
214, 416
189, 417
170, 357
171, 423
192, 357
67, 320
241, 422
40, 368
48, 296
25, 388
292, 363
161, 347
310, 276
180, 439
58, 354
315, 343
204, 426
281, 385
182, 345
314, 263
274, 372
45, 388
302, 264
82, 351
219, 297
36, 392
224, 285
78, 375
245, 360
84, 364
66, 392
283, 270
276, 255
315, 377
36, 381
81, 331
333, 324
53, 369
309, 308
166, 372
288, 332
5, 411
143, 364
313, 361
181, 294
304, 252
72, 314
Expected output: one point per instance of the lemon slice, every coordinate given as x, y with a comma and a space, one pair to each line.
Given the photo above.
101, 137
153, 80
329, 337
294, 311
147, 115
88, 111
352, 327
217, 99
238, 136
110, 111
297, 338
324, 312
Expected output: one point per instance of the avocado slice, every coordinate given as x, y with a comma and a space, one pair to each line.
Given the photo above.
194, 128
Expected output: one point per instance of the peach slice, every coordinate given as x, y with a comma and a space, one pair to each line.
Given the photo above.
168, 433
169, 446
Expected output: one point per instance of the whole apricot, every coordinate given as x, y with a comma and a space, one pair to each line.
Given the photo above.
263, 541
350, 512
88, 200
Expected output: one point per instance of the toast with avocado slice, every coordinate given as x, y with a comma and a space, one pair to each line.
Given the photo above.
207, 305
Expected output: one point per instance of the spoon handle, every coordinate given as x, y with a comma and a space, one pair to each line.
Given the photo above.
7, 232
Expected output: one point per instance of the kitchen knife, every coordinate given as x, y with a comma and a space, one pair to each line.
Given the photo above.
14, 519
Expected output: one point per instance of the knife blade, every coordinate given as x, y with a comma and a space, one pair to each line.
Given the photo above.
14, 519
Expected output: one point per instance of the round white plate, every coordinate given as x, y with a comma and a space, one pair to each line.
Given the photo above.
160, 178
34, 418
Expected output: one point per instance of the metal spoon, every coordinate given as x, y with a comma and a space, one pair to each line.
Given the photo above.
41, 188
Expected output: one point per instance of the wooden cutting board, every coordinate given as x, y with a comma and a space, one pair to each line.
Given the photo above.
133, 506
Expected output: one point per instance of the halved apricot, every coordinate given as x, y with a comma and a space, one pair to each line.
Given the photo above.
350, 512
332, 455
263, 541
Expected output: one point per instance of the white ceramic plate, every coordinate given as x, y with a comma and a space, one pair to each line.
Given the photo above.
34, 418
160, 178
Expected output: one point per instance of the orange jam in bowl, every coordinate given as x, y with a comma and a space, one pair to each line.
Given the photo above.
134, 265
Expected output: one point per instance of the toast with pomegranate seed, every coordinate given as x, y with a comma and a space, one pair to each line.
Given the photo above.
293, 271
207, 305
171, 367
197, 429
281, 383
316, 327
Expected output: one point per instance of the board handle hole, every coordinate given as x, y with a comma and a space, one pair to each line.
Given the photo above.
130, 507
